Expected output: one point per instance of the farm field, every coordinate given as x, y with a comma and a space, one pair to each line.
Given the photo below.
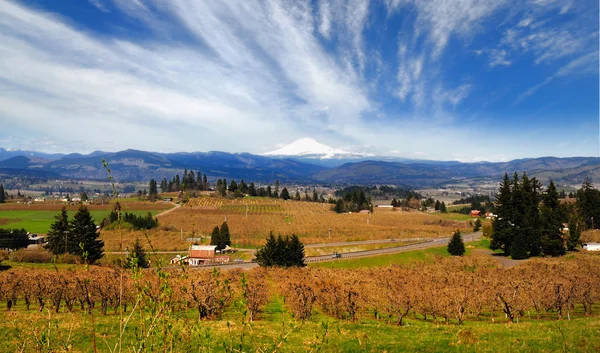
312, 222
347, 310
37, 218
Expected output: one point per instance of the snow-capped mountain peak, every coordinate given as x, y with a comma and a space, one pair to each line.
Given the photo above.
309, 147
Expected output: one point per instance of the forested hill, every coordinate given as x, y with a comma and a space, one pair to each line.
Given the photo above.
134, 165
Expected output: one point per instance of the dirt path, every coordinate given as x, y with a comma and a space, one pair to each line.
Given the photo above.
503, 260
169, 210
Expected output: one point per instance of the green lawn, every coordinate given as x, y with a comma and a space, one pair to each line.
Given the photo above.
181, 331
398, 258
40, 221
386, 260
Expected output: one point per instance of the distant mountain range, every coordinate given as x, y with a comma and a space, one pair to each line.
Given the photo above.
305, 167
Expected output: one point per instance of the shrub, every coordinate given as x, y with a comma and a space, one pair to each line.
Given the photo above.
35, 256
68, 259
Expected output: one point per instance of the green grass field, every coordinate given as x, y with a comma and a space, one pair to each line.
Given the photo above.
399, 258
277, 331
40, 221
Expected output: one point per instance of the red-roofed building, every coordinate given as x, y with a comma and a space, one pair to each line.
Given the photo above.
475, 213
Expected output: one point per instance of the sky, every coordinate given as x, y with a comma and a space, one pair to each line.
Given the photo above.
465, 80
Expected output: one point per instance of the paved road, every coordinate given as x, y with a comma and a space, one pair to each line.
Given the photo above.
322, 245
430, 243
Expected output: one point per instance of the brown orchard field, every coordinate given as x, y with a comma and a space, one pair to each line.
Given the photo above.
310, 221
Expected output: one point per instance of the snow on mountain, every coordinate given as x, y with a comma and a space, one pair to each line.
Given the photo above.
308, 147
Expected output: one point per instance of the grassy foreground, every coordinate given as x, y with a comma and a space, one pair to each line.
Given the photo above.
276, 330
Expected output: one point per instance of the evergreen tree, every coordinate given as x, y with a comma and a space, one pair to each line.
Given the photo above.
83, 196
85, 237
215, 237
199, 183
152, 190
225, 237
269, 192
2, 196
502, 235
266, 254
295, 252
443, 207
205, 182
297, 196
518, 250
56, 240
394, 202
276, 192
456, 246
315, 197
477, 225
285, 194
137, 256
282, 252
13, 239
339, 206
552, 242
588, 204
233, 186
574, 239
252, 190
437, 205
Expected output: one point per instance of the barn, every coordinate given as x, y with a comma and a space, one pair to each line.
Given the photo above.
205, 255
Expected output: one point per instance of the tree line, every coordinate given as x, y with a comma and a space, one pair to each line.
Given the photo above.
530, 220
147, 221
353, 201
283, 251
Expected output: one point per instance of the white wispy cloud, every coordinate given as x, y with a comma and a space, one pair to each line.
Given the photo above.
583, 65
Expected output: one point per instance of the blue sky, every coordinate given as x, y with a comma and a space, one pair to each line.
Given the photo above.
465, 80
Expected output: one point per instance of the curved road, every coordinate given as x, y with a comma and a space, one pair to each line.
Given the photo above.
426, 244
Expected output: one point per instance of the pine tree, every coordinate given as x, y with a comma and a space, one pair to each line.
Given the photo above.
85, 237
225, 237
2, 196
502, 234
315, 197
152, 190
215, 237
437, 205
295, 252
276, 192
552, 242
588, 204
394, 202
456, 246
56, 240
137, 256
443, 207
297, 196
339, 206
518, 250
477, 226
266, 254
252, 190
285, 194
574, 239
